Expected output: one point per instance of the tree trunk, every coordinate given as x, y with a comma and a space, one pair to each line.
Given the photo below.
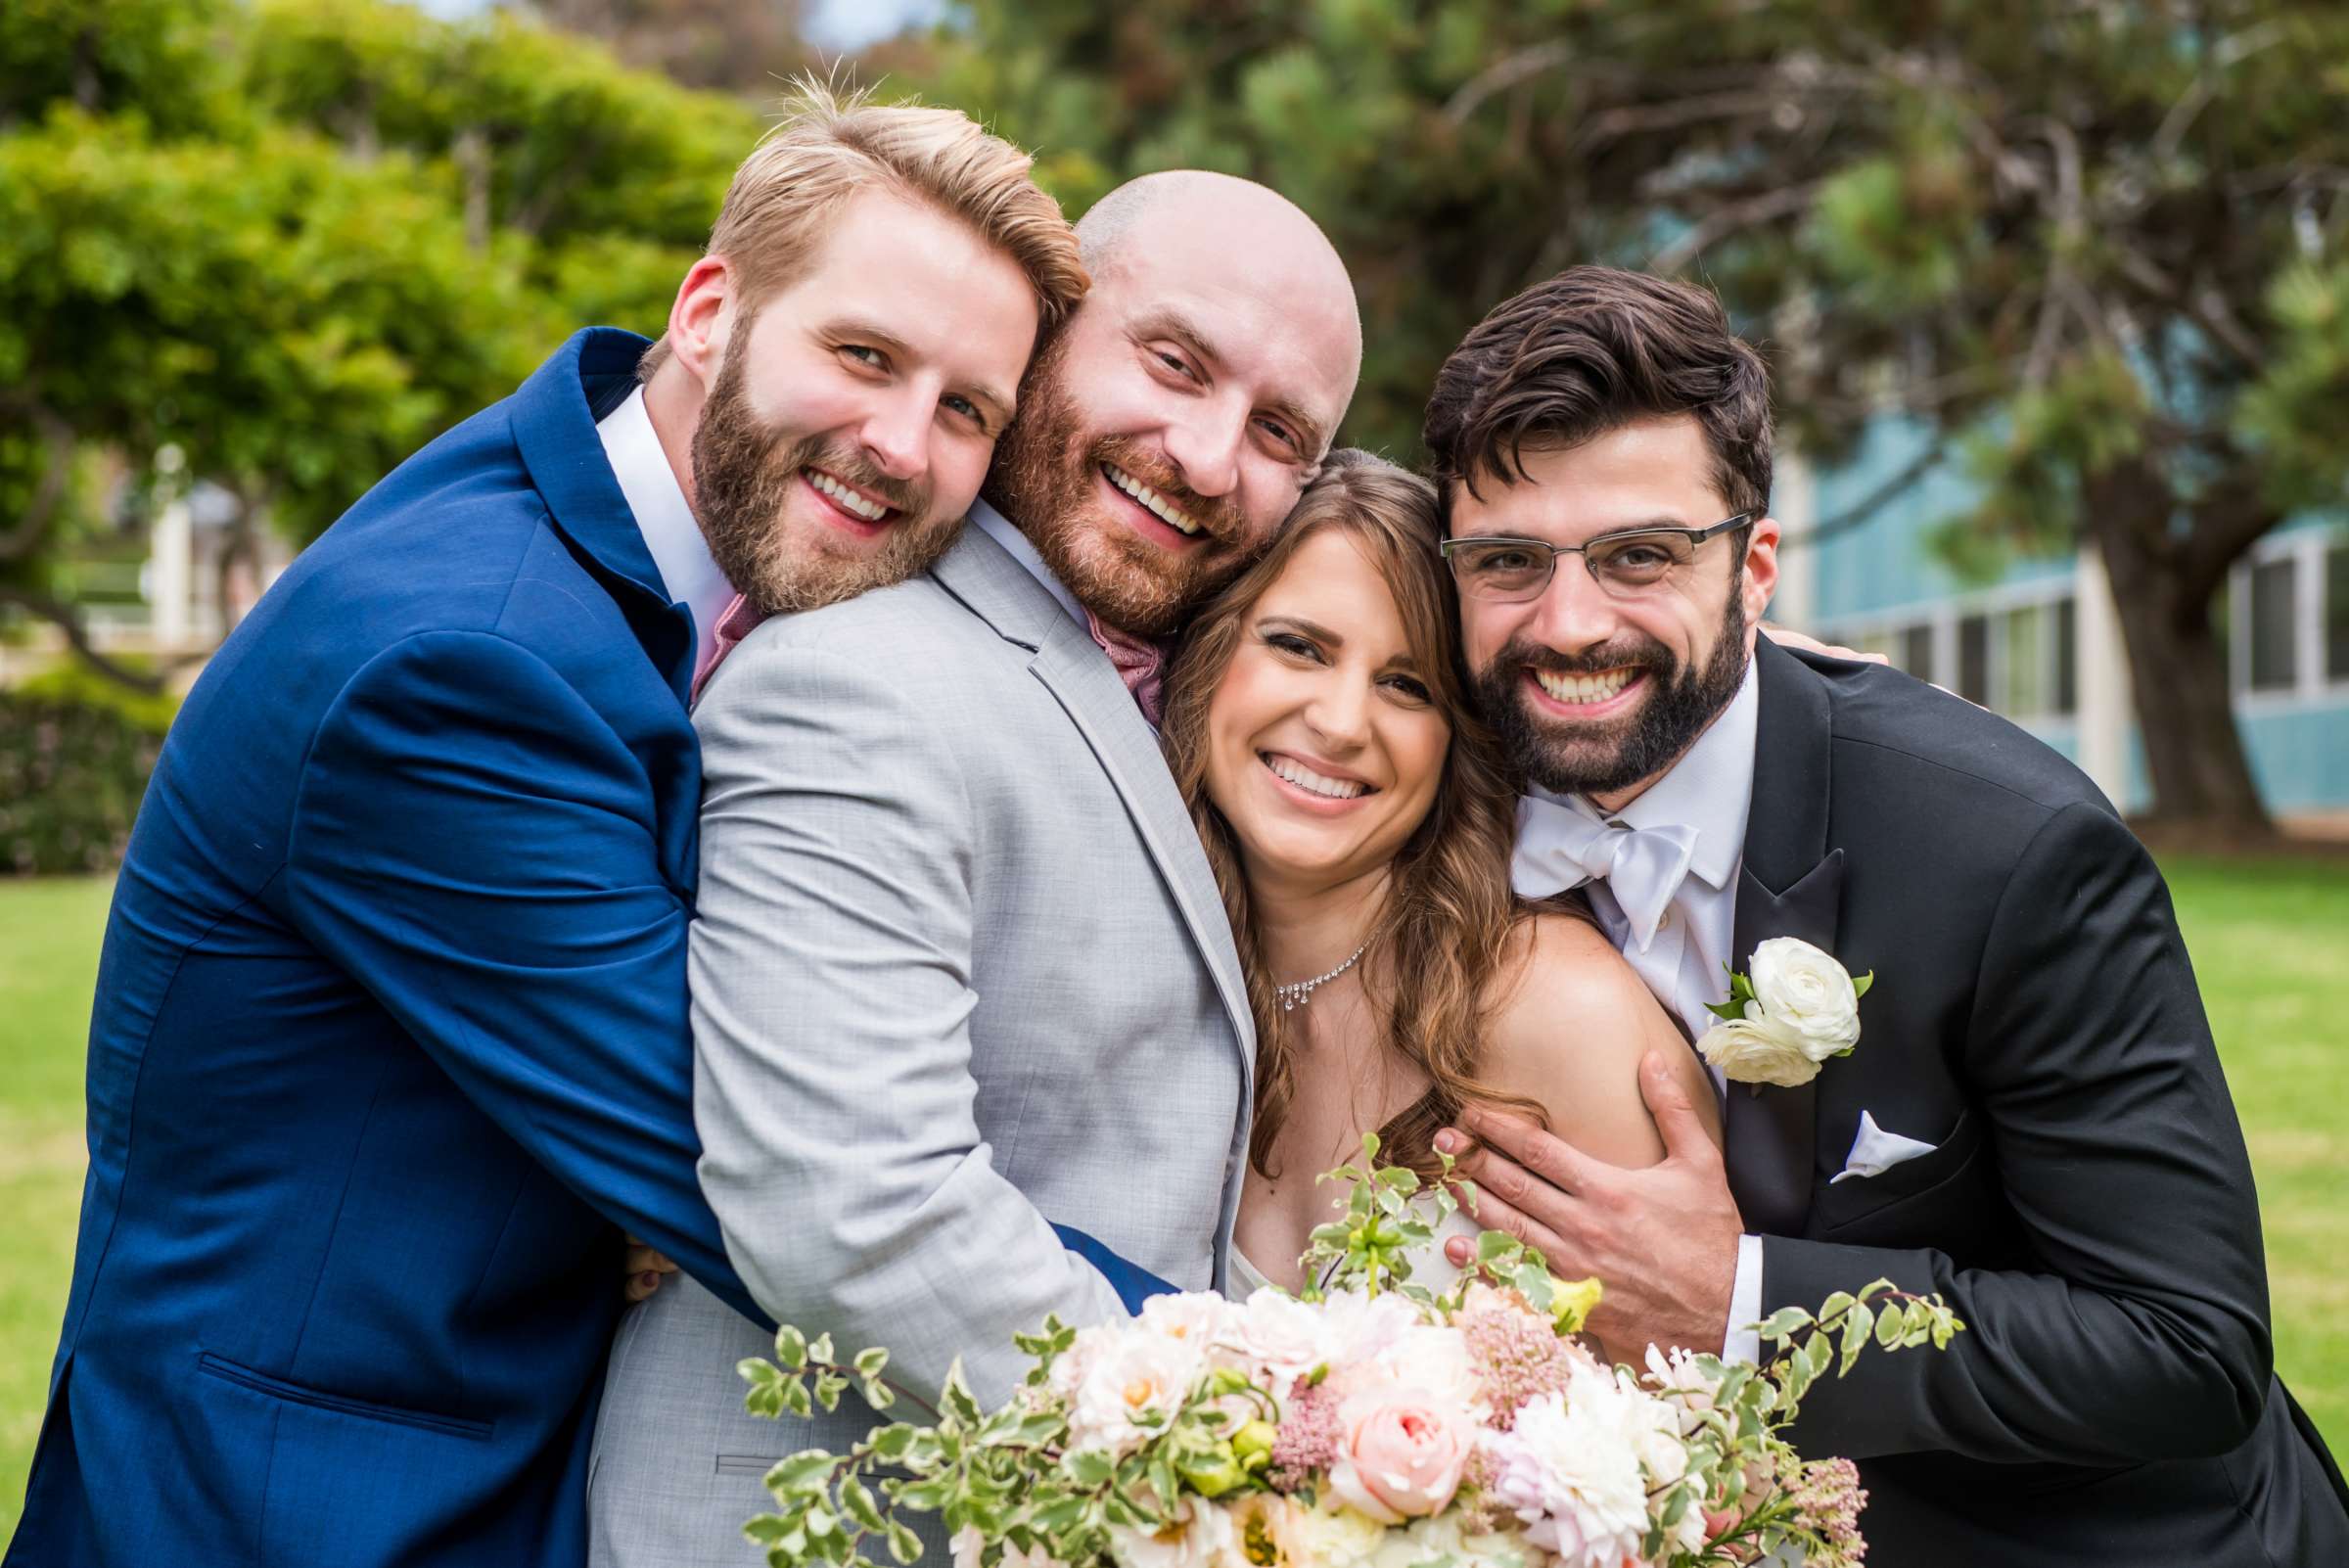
2177, 662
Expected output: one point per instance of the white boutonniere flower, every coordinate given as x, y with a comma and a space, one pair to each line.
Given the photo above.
1799, 1009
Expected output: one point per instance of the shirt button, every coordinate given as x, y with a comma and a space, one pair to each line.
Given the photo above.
1665, 924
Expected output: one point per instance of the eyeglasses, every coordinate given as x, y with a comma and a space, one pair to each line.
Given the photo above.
1511, 571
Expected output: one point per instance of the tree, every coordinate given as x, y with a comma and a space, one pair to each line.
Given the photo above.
745, 47
2100, 251
293, 242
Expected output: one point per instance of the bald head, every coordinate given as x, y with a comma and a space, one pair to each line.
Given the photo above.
1216, 220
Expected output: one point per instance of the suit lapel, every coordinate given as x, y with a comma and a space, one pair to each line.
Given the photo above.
1790, 885
553, 419
1073, 668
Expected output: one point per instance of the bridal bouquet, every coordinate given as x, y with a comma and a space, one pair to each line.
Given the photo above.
1369, 1423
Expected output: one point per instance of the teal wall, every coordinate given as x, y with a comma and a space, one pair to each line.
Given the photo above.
2299, 748
2300, 755
1890, 563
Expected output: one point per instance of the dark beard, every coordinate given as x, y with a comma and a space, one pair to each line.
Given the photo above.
743, 474
1678, 710
1043, 482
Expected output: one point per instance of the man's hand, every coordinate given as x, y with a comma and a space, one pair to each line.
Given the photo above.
645, 1266
1796, 640
1663, 1240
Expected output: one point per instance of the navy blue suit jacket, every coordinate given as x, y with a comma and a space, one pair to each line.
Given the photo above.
391, 1039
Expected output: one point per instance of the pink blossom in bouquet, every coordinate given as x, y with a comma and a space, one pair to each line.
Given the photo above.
1515, 1351
1401, 1452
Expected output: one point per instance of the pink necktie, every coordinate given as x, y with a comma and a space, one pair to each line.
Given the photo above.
1140, 663
733, 625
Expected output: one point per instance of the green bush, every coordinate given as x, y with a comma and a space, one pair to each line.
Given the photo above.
70, 779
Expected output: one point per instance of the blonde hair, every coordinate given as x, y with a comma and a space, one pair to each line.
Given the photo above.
831, 145
1439, 951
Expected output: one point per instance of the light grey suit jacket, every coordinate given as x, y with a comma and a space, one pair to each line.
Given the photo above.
959, 972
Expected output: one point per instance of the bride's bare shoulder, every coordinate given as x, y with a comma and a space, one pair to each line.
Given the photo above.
1568, 1028
1558, 964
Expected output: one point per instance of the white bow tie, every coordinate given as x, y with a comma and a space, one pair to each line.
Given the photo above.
1559, 848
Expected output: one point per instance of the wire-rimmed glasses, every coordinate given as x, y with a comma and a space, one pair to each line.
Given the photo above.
1504, 570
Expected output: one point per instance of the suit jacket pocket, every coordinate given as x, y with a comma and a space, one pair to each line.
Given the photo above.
1847, 1203
221, 1366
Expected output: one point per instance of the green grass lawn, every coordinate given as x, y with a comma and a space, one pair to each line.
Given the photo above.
2266, 939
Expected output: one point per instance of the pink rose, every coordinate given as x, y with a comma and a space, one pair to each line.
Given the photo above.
1401, 1452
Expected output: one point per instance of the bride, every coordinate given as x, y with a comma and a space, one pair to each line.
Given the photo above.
1358, 820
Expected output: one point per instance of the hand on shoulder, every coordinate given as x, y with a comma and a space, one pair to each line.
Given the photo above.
1568, 1031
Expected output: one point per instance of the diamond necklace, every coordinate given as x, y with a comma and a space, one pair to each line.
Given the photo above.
1292, 997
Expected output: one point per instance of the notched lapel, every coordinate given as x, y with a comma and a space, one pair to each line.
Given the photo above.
1791, 885
1080, 678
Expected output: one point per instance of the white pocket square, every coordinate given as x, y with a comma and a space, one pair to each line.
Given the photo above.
1875, 1151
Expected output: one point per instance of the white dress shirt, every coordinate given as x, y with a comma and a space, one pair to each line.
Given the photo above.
1711, 790
689, 576
998, 527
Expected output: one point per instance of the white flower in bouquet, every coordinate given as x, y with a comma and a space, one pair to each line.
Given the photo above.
1332, 1537
1572, 1468
1679, 1380
1121, 1375
1199, 1317
1200, 1536
1265, 1532
1432, 1359
1279, 1339
1357, 1326
1401, 1452
1445, 1537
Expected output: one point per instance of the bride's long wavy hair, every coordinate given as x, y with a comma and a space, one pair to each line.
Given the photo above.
1436, 949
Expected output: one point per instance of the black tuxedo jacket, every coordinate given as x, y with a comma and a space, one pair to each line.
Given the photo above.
2088, 1208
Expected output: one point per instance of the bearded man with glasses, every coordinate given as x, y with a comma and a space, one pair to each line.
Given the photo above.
2032, 1124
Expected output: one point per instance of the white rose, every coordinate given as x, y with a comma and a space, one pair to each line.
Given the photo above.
1199, 1536
1757, 1050
1281, 1339
1807, 994
1132, 1373
1332, 1535
1200, 1316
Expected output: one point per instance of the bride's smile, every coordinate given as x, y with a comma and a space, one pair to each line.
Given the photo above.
1324, 747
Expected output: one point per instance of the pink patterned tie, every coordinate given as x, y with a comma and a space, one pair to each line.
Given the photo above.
733, 625
1140, 663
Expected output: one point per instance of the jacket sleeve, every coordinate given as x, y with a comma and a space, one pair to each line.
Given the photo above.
833, 991
2141, 1333
476, 846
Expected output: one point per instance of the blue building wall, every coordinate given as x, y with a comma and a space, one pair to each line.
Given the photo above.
1871, 582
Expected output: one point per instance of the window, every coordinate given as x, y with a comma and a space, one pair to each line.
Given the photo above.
2067, 656
2023, 682
1916, 645
2275, 629
1973, 659
2336, 612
